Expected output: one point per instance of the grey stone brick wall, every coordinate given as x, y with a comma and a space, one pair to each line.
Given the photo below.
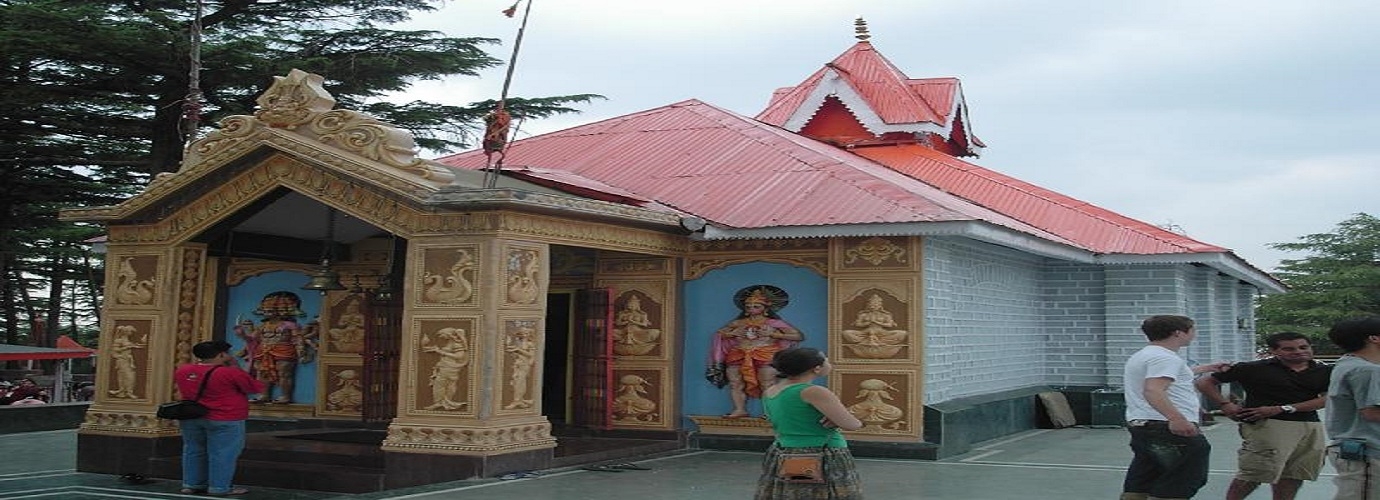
997, 319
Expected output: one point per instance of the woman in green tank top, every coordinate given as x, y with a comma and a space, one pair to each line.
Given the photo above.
807, 418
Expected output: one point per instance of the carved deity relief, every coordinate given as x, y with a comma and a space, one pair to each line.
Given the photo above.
631, 403
125, 361
448, 277
346, 396
345, 330
635, 331
876, 414
520, 357
523, 276
878, 252
875, 333
129, 288
448, 351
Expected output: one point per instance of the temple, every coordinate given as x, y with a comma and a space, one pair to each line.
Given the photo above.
478, 322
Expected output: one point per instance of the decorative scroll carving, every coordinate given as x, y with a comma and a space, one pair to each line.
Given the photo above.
100, 421
794, 244
435, 439
875, 251
299, 103
188, 298
696, 267
633, 266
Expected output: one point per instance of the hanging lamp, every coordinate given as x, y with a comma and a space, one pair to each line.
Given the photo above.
326, 279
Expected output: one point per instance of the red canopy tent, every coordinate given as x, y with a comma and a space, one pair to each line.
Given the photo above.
67, 349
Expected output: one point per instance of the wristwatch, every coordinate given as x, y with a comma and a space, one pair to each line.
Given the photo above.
1288, 408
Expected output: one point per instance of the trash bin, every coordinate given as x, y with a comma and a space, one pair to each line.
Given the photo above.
1109, 407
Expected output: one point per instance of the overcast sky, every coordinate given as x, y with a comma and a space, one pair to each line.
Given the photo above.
1239, 123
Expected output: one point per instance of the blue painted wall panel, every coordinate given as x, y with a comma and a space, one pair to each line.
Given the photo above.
709, 306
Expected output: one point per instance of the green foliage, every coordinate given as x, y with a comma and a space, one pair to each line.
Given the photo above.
95, 94
1339, 279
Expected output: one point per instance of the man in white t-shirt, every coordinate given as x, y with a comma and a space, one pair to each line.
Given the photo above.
1162, 409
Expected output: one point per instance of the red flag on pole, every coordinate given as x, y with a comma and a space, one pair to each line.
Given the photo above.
512, 11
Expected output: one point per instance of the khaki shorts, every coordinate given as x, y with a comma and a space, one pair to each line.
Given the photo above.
1354, 475
1280, 449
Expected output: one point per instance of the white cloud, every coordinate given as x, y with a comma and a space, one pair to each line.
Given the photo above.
1244, 122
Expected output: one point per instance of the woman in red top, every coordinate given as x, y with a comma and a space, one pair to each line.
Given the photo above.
211, 444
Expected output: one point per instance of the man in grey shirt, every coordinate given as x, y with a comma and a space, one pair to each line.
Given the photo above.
1353, 409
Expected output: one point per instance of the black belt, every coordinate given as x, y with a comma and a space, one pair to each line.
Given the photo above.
1150, 423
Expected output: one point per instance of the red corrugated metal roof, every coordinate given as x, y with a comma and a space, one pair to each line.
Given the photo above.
1091, 227
886, 92
736, 172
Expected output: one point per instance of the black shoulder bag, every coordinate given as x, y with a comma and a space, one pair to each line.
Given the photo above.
187, 409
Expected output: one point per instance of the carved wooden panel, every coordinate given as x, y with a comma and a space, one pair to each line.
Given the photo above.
343, 323
639, 320
341, 387
524, 275
444, 378
129, 363
886, 401
137, 282
519, 380
875, 321
640, 397
448, 276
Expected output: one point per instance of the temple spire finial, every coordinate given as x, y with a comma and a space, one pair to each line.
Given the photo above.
860, 29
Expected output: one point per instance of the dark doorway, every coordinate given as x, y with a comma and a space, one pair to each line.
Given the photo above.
555, 379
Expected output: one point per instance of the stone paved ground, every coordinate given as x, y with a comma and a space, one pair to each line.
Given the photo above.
1074, 463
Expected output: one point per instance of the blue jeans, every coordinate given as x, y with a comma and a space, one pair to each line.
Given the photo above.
1166, 465
209, 451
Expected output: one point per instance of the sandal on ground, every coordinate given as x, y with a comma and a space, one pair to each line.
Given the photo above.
628, 466
192, 491
232, 492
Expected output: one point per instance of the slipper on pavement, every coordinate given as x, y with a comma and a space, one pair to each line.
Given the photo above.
629, 466
602, 468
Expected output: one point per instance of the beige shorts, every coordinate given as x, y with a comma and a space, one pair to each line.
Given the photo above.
1280, 449
1354, 475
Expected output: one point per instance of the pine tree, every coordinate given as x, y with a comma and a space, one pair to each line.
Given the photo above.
1338, 280
96, 98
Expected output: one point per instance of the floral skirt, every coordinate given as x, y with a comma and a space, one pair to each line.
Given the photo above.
841, 481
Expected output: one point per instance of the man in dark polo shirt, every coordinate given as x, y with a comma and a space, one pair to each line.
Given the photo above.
1282, 439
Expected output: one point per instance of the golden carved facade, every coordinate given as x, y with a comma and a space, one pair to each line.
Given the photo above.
875, 334
645, 339
489, 320
150, 321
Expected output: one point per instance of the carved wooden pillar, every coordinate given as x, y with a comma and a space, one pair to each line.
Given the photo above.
646, 342
472, 350
154, 312
875, 336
